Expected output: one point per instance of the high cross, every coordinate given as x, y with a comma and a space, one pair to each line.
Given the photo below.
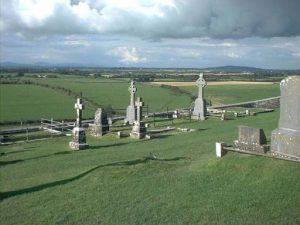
139, 104
132, 89
79, 107
201, 83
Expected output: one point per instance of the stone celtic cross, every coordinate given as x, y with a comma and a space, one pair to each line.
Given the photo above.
132, 89
201, 83
139, 104
79, 107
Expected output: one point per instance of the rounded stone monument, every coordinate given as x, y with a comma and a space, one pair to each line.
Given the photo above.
286, 138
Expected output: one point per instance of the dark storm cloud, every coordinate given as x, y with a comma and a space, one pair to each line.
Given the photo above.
153, 19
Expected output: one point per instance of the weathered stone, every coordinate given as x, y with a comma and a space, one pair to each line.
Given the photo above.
78, 133
131, 109
100, 126
139, 129
286, 138
251, 139
200, 108
78, 139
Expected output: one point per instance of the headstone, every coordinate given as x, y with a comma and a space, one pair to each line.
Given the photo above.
100, 126
110, 121
286, 138
139, 129
78, 133
131, 109
220, 151
176, 114
251, 139
200, 109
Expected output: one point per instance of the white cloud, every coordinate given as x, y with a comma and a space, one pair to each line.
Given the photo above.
232, 55
127, 54
77, 43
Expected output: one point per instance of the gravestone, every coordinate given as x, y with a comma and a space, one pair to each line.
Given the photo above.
131, 109
200, 109
176, 114
139, 129
100, 126
286, 138
251, 139
78, 133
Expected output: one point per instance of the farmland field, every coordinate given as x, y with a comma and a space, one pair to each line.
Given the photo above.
227, 94
29, 102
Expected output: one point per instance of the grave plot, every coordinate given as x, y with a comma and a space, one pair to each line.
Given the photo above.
285, 143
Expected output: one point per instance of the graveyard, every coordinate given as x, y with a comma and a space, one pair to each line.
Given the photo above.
146, 166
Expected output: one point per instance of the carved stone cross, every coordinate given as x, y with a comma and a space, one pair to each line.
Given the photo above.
79, 107
132, 89
201, 83
139, 104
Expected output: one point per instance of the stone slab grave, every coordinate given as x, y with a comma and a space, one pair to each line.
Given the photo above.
251, 139
200, 109
286, 138
100, 125
78, 133
131, 109
139, 128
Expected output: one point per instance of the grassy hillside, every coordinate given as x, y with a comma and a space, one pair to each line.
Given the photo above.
28, 102
112, 183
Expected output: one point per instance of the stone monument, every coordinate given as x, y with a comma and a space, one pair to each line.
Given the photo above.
139, 129
251, 139
78, 133
200, 110
286, 138
131, 109
100, 125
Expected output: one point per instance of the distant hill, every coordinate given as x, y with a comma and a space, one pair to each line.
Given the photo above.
45, 65
235, 69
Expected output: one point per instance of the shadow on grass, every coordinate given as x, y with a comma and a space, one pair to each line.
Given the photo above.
4, 163
9, 194
106, 146
17, 151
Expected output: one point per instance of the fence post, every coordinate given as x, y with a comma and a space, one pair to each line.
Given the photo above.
154, 119
27, 136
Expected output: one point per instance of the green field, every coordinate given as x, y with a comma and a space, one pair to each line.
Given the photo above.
30, 102
112, 183
227, 94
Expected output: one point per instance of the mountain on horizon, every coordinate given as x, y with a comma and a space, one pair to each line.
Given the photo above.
227, 68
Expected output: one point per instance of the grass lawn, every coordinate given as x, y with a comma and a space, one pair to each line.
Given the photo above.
112, 183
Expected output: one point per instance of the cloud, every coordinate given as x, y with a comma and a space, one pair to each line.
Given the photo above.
127, 55
153, 19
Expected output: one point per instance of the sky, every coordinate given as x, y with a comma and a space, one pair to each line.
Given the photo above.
152, 33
